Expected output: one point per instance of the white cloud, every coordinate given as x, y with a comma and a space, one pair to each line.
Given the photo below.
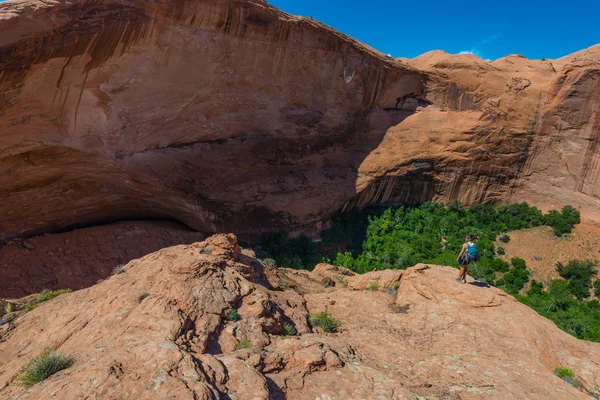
490, 39
473, 52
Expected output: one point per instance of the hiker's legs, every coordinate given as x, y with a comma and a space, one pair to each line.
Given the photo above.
463, 271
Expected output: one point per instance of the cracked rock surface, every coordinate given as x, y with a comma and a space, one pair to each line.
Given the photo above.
432, 337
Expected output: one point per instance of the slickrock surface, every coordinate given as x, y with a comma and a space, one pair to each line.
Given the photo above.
229, 115
433, 338
78, 259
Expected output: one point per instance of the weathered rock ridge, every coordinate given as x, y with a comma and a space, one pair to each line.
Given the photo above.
229, 115
432, 338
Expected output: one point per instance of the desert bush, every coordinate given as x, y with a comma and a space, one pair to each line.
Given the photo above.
562, 222
288, 330
567, 375
46, 364
8, 307
579, 274
373, 286
233, 315
518, 263
597, 287
243, 344
325, 321
142, 296
576, 317
29, 307
500, 251
269, 262
563, 372
504, 238
45, 295
50, 294
119, 269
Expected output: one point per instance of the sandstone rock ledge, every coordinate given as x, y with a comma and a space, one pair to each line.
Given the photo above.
433, 338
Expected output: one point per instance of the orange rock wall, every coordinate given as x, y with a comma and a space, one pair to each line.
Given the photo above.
229, 115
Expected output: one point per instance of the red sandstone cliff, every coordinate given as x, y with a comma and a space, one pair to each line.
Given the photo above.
230, 115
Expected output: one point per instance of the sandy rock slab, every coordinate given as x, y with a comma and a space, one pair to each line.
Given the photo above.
165, 329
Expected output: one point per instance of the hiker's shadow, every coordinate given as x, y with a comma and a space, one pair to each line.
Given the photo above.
479, 284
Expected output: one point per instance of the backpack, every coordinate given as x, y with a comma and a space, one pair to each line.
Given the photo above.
472, 252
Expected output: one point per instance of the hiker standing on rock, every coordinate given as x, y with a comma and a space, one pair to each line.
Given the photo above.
467, 255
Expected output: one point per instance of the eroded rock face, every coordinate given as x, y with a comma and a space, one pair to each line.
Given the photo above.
234, 116
226, 115
80, 258
433, 338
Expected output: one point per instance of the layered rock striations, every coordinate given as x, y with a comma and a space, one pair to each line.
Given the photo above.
229, 115
161, 330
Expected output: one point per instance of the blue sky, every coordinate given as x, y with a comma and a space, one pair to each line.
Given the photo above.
490, 29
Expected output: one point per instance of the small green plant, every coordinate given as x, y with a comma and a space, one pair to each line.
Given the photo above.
285, 285
504, 238
597, 287
288, 330
47, 363
325, 321
373, 286
8, 307
243, 344
567, 375
343, 281
563, 372
29, 307
396, 285
143, 296
500, 251
233, 315
50, 294
269, 262
119, 269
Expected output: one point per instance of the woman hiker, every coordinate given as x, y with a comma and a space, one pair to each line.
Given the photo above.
467, 254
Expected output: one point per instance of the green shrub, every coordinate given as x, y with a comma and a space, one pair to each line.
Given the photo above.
579, 274
563, 222
269, 262
233, 315
288, 330
325, 321
576, 317
563, 372
45, 295
518, 263
47, 363
504, 238
500, 250
537, 288
29, 307
142, 296
567, 375
8, 307
373, 286
597, 287
243, 344
50, 294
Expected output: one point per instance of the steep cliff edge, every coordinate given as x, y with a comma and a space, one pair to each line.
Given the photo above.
161, 330
229, 115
